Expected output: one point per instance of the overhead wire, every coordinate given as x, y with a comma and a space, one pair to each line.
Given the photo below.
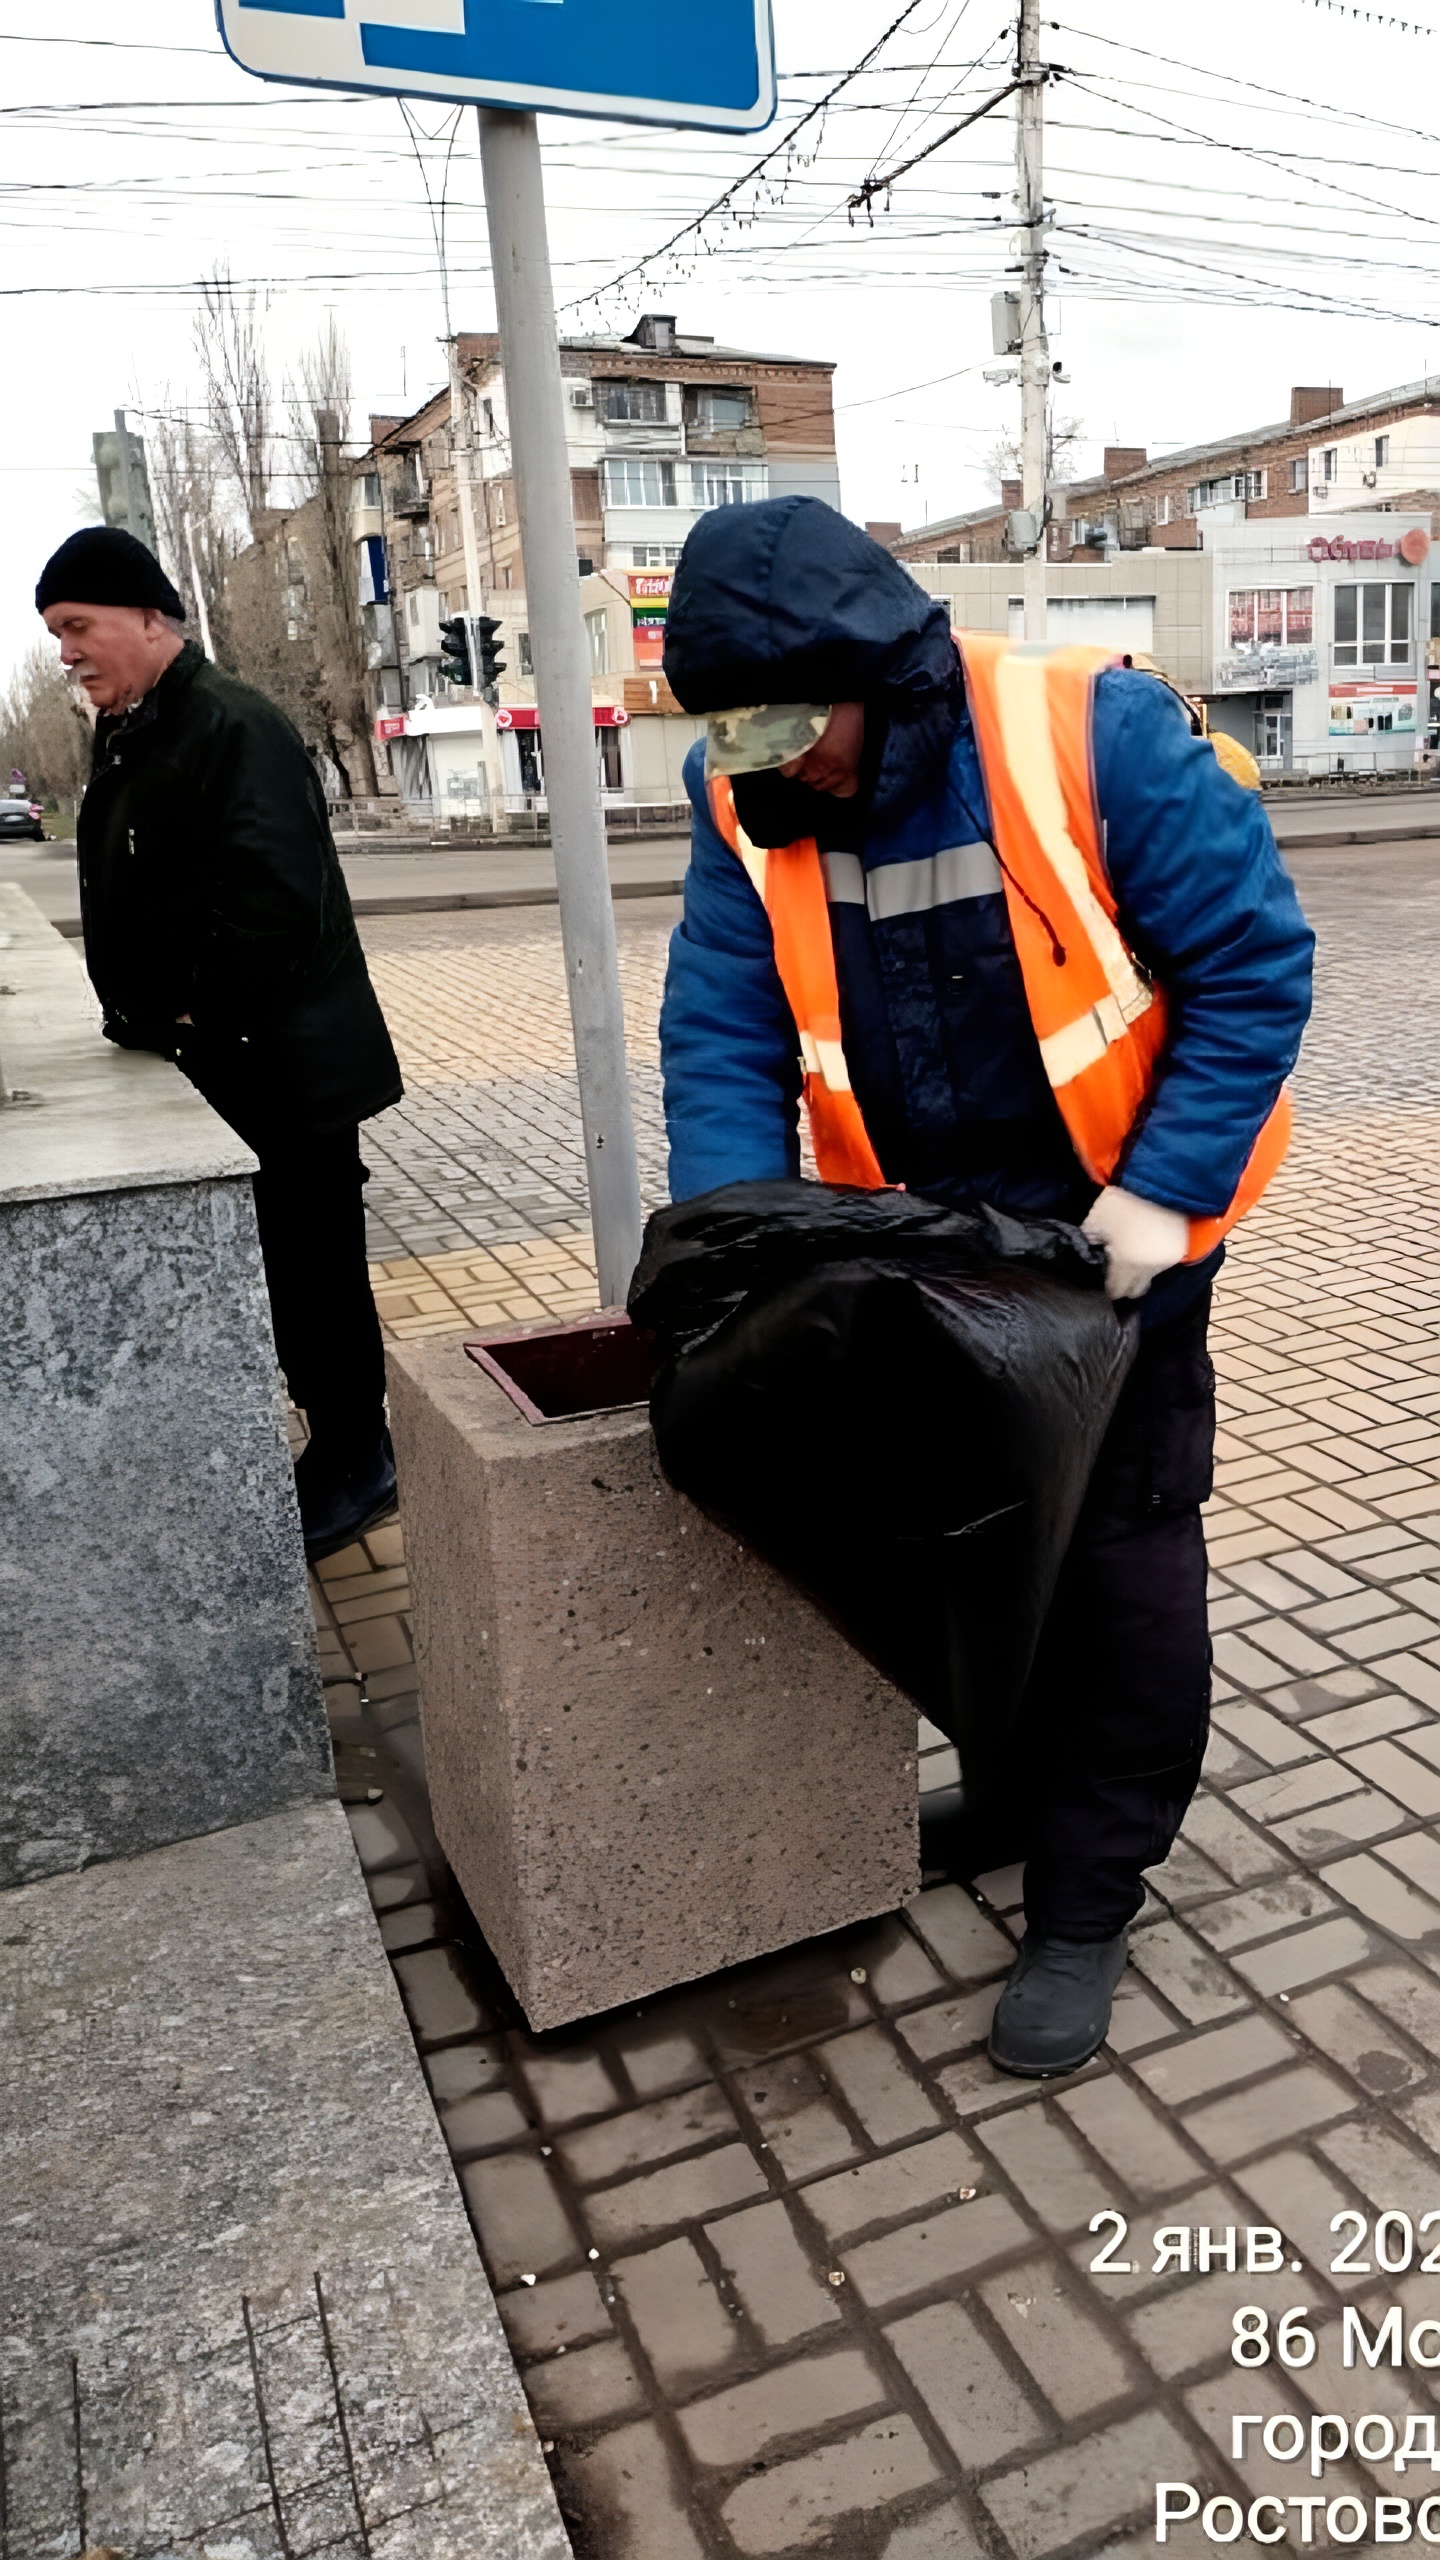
786, 144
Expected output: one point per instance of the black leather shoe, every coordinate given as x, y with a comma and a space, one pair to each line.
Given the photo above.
338, 1503
1054, 2011
959, 1841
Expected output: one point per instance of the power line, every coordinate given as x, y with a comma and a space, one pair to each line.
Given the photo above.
112, 44
873, 187
1250, 151
1238, 80
1376, 17
785, 144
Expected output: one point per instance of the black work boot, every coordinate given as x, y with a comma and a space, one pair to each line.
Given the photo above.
340, 1498
1054, 2011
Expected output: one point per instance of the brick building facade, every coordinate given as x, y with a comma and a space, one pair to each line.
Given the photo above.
1381, 453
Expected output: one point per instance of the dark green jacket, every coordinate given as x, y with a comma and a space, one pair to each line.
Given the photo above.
210, 886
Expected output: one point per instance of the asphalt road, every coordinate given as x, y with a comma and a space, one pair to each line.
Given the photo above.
393, 883
432, 879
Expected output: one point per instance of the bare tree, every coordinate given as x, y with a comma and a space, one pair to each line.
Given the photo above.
237, 390
1064, 437
284, 609
194, 514
44, 728
319, 402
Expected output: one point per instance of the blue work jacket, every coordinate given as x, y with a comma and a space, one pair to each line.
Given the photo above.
937, 1034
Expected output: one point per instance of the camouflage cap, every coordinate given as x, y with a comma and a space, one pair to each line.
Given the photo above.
756, 739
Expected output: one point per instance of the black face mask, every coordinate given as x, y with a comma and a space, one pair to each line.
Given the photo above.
774, 811
898, 765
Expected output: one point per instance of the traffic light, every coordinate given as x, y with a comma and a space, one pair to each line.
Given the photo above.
455, 650
492, 665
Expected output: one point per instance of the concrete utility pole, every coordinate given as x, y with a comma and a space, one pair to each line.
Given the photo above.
1034, 347
463, 442
530, 355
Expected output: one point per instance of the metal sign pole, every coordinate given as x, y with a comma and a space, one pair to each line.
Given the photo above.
525, 307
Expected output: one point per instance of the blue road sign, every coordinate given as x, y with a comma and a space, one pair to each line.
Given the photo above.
710, 63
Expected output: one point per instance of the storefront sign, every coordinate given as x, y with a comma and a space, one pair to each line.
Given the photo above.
649, 605
391, 724
1412, 547
1368, 710
521, 715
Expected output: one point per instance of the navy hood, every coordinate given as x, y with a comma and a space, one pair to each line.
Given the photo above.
786, 601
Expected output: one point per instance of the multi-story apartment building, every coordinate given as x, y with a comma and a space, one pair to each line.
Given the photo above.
661, 427
1378, 454
1316, 641
1306, 642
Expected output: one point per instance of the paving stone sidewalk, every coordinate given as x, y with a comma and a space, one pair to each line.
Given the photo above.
478, 1210
786, 2265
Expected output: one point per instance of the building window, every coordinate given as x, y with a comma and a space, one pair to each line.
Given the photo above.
722, 410
524, 658
499, 502
1382, 452
635, 481
597, 632
1374, 625
1272, 618
1328, 461
633, 404
664, 555
727, 484
1299, 472
1218, 493
607, 746
487, 412
1162, 509
370, 489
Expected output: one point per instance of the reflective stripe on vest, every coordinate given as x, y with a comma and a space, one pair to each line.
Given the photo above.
790, 881
1099, 1019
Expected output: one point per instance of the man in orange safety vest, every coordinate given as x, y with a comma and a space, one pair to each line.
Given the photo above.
1013, 935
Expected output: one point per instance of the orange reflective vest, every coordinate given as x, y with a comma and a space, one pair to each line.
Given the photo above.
1100, 1019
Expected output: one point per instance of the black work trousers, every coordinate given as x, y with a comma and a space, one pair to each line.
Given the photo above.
310, 1208
1114, 1723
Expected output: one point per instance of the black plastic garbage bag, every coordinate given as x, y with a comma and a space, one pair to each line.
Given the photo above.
899, 1405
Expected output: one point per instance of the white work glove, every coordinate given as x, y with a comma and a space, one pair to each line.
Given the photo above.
1140, 1238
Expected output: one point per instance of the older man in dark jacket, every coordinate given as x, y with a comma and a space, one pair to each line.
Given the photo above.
218, 932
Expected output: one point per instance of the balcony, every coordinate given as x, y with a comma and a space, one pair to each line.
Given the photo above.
724, 440
1266, 670
407, 498
642, 435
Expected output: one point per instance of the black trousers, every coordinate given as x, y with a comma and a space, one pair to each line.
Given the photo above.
310, 1208
1115, 1719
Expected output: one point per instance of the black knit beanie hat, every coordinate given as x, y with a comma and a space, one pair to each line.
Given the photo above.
102, 565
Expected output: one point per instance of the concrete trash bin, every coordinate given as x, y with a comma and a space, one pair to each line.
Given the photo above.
649, 1757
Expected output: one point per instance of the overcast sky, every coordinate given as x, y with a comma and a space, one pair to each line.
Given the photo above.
1219, 234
